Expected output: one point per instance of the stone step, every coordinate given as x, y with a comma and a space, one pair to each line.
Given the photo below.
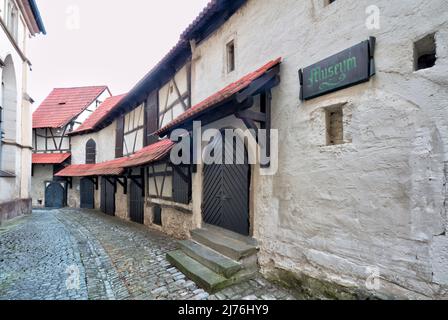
209, 258
223, 244
195, 271
230, 234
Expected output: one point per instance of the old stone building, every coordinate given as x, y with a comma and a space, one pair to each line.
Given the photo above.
353, 101
63, 111
19, 21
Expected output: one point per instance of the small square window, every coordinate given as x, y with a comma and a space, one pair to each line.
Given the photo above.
425, 55
230, 54
335, 125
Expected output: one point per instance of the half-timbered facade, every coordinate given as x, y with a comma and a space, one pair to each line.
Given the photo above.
62, 112
349, 185
19, 21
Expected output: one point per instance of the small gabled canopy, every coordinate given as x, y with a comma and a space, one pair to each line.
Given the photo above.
50, 158
238, 91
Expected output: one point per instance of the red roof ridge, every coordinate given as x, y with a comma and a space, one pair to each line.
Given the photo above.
81, 87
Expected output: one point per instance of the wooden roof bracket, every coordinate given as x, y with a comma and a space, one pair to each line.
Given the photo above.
70, 182
94, 181
123, 183
263, 117
141, 183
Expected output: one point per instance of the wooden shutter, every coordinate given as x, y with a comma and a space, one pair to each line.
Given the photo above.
181, 184
119, 138
151, 118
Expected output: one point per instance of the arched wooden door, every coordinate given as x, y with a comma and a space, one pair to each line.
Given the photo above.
54, 195
226, 193
87, 194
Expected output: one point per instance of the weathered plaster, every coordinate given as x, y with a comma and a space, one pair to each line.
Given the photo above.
378, 200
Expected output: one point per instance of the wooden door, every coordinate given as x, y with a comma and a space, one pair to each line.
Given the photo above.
136, 203
226, 194
87, 194
54, 195
107, 197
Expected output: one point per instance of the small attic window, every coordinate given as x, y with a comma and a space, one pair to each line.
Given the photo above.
230, 54
62, 103
425, 55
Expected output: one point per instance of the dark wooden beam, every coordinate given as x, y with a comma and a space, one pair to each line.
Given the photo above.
181, 174
266, 108
252, 126
94, 181
123, 183
257, 84
252, 115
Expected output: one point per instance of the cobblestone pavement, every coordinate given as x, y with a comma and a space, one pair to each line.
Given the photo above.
42, 256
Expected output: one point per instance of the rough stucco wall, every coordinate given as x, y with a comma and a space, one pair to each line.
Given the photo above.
332, 212
121, 203
74, 195
42, 173
105, 145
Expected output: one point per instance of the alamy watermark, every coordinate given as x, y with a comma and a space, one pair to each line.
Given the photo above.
73, 281
226, 146
373, 18
373, 281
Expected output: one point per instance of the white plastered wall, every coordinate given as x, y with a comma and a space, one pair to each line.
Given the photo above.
377, 201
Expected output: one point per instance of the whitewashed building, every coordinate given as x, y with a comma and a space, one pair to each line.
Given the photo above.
19, 21
63, 111
354, 99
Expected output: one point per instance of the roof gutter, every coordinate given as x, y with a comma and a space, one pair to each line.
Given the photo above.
37, 16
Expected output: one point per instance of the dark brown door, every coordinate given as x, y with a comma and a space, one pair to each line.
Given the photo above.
136, 203
107, 197
87, 194
226, 194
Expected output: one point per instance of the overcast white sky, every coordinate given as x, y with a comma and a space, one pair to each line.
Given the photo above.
104, 42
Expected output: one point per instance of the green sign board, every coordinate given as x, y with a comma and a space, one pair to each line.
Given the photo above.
345, 69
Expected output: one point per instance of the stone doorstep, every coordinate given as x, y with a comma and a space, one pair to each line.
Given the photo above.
209, 258
200, 274
216, 258
223, 244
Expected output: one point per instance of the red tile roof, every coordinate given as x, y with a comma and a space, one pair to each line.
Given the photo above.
108, 168
116, 167
220, 96
50, 158
99, 115
64, 104
152, 153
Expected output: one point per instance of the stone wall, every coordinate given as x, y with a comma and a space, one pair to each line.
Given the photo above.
41, 174
74, 194
177, 220
377, 202
14, 209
